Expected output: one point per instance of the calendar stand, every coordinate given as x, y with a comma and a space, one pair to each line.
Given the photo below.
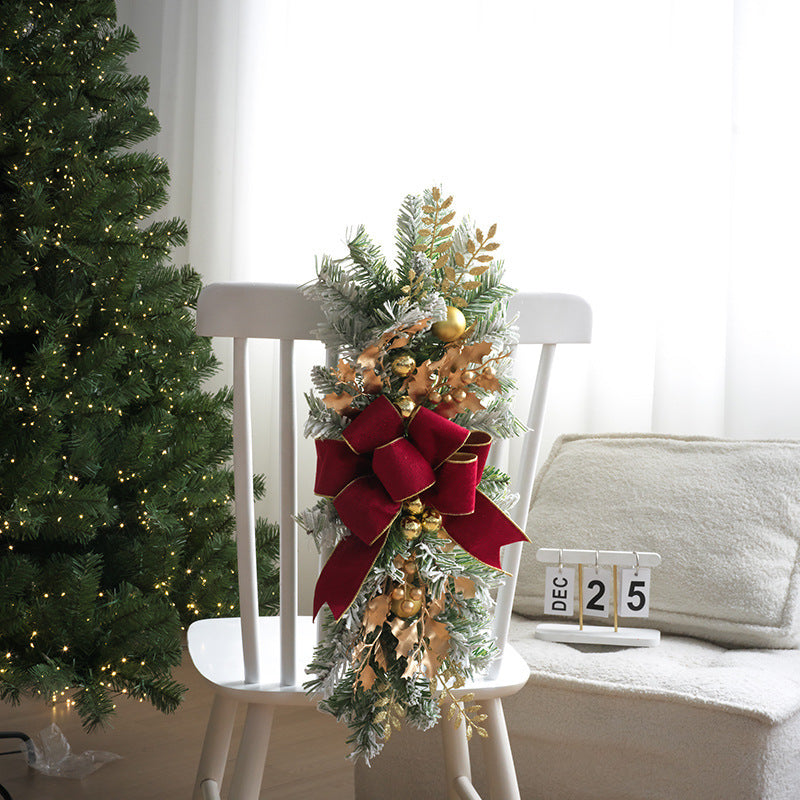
597, 634
581, 633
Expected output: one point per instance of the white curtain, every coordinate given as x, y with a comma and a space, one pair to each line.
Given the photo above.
642, 153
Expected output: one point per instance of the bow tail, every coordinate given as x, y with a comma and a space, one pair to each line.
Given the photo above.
340, 579
484, 532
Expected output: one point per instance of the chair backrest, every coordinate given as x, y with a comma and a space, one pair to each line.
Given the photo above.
244, 311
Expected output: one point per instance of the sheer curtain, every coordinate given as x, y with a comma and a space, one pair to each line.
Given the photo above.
641, 154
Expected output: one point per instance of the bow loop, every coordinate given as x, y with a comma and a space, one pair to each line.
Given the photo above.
456, 482
434, 436
376, 425
402, 469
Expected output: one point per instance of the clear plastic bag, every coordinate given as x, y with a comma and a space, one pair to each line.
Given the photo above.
52, 755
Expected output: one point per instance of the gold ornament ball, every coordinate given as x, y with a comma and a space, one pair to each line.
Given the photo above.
450, 329
409, 567
431, 520
468, 376
435, 398
405, 405
398, 593
416, 593
488, 372
413, 506
411, 527
459, 395
405, 609
403, 365
448, 398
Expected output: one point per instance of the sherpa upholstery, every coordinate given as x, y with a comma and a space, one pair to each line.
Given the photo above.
724, 515
693, 718
687, 720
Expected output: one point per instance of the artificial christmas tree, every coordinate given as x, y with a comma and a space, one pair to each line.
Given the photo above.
115, 519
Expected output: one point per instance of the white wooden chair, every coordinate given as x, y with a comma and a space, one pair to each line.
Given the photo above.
260, 661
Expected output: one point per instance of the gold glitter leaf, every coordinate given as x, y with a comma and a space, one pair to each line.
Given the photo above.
407, 639
447, 202
459, 257
345, 372
366, 678
449, 217
436, 193
338, 402
441, 261
376, 612
466, 586
492, 231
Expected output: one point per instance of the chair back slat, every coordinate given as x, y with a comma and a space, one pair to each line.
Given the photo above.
245, 510
522, 483
288, 534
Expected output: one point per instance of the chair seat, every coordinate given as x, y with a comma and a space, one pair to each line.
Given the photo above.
215, 647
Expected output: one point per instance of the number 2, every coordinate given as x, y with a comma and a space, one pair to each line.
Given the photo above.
594, 603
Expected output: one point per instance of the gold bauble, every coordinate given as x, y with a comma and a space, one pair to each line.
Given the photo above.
435, 398
459, 395
487, 372
403, 365
468, 376
416, 593
405, 405
413, 506
409, 567
450, 329
431, 520
398, 593
448, 398
411, 527
405, 609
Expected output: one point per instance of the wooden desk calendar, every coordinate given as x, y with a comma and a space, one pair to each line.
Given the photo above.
621, 591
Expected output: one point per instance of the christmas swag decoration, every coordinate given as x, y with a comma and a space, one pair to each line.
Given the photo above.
414, 517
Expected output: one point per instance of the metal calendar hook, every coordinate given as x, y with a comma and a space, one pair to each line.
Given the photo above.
596, 561
636, 563
560, 561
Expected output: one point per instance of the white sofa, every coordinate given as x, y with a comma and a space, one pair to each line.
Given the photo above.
711, 712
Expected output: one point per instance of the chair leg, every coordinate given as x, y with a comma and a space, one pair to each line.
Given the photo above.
497, 753
216, 743
456, 756
249, 770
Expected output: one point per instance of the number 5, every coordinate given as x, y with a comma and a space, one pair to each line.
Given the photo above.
635, 593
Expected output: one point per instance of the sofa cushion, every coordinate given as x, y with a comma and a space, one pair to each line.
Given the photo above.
763, 684
723, 514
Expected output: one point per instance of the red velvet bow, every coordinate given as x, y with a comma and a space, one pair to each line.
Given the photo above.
377, 465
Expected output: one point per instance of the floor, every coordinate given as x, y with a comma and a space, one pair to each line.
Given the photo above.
159, 752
